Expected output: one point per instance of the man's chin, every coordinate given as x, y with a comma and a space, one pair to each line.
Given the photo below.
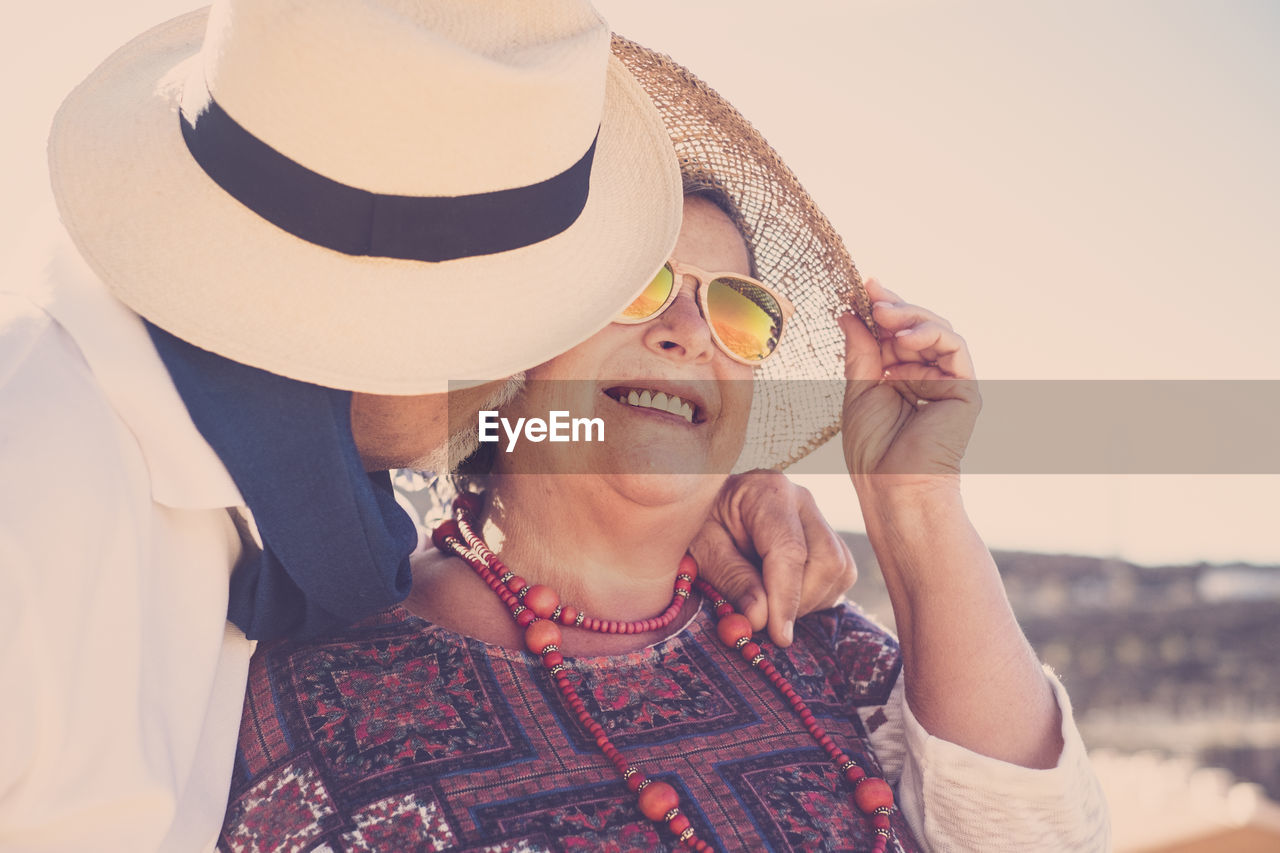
443, 460
464, 437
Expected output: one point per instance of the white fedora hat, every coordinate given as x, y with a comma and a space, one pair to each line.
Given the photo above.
375, 195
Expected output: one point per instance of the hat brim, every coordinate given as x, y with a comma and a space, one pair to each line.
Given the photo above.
799, 391
173, 246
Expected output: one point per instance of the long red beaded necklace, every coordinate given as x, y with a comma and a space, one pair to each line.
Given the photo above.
537, 609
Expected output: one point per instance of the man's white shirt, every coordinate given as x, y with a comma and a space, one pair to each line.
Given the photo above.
123, 683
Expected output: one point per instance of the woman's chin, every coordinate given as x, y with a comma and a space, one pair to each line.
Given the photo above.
666, 489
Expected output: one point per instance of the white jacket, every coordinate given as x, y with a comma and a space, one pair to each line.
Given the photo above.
122, 680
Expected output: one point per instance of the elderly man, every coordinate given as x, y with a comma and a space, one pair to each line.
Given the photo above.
286, 226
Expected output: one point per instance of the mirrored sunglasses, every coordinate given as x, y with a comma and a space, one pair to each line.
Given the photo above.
746, 317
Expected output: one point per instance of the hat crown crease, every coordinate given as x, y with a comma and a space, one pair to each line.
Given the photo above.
358, 92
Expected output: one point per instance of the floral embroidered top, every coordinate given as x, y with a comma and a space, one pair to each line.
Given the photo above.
399, 735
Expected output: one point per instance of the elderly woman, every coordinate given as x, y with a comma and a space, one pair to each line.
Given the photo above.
560, 678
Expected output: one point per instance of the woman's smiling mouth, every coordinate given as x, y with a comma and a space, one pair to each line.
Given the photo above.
648, 398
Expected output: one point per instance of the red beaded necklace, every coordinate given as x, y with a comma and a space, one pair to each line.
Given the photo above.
537, 609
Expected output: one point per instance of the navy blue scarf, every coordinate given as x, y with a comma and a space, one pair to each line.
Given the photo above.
336, 543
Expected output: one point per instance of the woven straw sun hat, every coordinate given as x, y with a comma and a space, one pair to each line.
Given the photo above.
799, 391
296, 184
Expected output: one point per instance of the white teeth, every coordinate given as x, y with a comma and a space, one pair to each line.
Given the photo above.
661, 401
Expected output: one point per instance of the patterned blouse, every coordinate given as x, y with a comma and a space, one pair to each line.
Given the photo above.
399, 735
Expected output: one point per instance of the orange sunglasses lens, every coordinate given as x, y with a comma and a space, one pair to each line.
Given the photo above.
746, 318
653, 297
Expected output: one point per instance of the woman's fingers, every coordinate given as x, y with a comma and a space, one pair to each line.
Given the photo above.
893, 316
915, 415
879, 293
885, 300
935, 344
862, 358
917, 382
910, 333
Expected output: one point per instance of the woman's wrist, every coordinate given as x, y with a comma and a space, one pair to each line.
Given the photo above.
922, 536
908, 500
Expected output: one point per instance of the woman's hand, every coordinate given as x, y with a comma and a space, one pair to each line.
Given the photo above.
911, 399
909, 408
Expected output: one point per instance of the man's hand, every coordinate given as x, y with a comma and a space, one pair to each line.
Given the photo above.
769, 550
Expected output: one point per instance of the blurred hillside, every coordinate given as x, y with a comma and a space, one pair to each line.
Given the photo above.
1180, 660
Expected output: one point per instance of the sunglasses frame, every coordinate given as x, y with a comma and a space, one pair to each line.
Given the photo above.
679, 269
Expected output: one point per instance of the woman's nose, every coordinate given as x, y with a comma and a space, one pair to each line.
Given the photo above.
681, 331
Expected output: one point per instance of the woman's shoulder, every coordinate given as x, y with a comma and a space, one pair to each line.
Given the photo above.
844, 622
852, 649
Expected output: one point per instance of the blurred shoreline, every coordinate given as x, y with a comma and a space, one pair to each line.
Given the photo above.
1181, 660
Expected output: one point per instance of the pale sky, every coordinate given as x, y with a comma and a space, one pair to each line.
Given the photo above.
1087, 190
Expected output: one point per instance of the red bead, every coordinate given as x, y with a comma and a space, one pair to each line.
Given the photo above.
541, 634
657, 799
749, 651
635, 781
873, 793
542, 600
517, 583
724, 609
468, 502
733, 628
447, 529
526, 617
854, 773
678, 824
551, 659
689, 566
880, 821
568, 614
